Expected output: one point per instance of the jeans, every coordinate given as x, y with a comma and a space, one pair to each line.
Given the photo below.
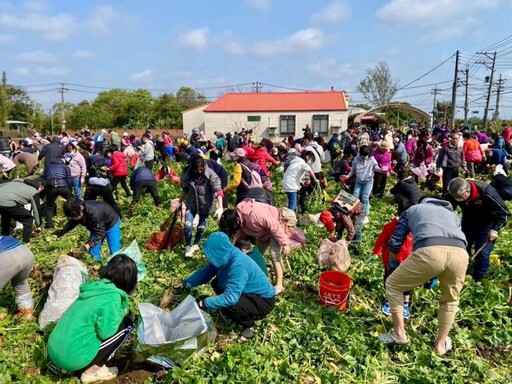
113, 235
292, 200
77, 187
189, 226
477, 237
362, 191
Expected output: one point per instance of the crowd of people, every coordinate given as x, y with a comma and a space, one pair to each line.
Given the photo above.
424, 242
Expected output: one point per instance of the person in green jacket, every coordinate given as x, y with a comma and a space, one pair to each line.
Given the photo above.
96, 324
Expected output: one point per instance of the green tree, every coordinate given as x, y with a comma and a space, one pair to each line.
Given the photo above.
167, 112
4, 102
188, 98
378, 87
363, 106
21, 107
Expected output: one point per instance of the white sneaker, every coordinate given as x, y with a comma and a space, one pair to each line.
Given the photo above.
366, 220
103, 374
195, 248
188, 251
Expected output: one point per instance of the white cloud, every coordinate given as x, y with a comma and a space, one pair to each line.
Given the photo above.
507, 74
57, 27
36, 57
21, 71
53, 71
259, 5
142, 77
302, 40
234, 48
7, 39
331, 69
102, 19
430, 11
35, 6
333, 13
195, 38
83, 54
451, 30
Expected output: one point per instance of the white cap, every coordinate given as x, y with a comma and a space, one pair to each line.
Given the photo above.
103, 131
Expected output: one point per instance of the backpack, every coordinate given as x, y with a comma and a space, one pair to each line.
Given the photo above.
255, 178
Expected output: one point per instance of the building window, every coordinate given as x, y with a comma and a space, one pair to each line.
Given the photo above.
321, 123
253, 118
287, 125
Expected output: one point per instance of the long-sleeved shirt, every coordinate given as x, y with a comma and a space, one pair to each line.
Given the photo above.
363, 169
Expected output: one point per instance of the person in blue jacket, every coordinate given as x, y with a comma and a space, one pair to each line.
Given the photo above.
243, 291
143, 179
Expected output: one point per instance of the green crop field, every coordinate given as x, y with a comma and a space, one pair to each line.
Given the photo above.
300, 341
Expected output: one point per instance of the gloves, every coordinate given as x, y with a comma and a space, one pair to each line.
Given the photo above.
218, 213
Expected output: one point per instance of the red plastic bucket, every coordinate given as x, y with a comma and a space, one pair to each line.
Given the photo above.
334, 289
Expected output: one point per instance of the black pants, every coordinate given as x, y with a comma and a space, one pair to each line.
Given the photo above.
305, 191
51, 194
448, 175
18, 213
149, 164
379, 184
122, 180
148, 185
93, 191
402, 200
249, 308
109, 347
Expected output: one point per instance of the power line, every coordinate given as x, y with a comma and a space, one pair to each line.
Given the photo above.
429, 72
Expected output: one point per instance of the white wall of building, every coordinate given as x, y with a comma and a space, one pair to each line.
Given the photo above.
194, 118
235, 121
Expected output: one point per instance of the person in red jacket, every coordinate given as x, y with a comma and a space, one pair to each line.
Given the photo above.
381, 249
119, 169
261, 157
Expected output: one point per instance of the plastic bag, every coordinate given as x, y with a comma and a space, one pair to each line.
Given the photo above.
69, 274
334, 256
170, 338
134, 253
297, 238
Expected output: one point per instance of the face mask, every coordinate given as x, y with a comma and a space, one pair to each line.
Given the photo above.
459, 199
364, 157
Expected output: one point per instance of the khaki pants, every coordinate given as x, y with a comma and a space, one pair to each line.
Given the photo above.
449, 264
275, 249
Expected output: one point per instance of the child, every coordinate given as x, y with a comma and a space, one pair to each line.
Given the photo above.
246, 247
96, 324
381, 249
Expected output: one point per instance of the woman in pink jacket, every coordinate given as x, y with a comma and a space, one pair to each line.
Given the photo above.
76, 163
383, 157
119, 170
263, 222
261, 157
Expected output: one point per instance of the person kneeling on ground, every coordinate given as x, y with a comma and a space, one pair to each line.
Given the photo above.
96, 324
16, 262
243, 291
100, 219
439, 249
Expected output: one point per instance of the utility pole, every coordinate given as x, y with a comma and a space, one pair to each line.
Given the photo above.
498, 91
454, 90
466, 84
490, 83
257, 86
436, 91
62, 89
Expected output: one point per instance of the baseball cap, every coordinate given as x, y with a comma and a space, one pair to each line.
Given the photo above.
238, 152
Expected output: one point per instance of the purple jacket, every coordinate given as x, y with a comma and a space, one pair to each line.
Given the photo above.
383, 160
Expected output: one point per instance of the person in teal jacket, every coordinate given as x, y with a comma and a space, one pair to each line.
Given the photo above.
96, 324
243, 291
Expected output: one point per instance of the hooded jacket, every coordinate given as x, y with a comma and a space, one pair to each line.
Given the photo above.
261, 221
236, 273
432, 222
94, 316
119, 168
76, 164
261, 157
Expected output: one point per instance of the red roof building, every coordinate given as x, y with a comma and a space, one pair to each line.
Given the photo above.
272, 114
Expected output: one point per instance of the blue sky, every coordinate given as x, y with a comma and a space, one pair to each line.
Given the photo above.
162, 45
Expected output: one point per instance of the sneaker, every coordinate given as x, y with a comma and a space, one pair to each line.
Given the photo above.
407, 313
366, 220
386, 309
188, 251
103, 374
195, 248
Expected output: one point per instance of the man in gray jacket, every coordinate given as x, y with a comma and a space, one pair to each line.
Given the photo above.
13, 198
439, 249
